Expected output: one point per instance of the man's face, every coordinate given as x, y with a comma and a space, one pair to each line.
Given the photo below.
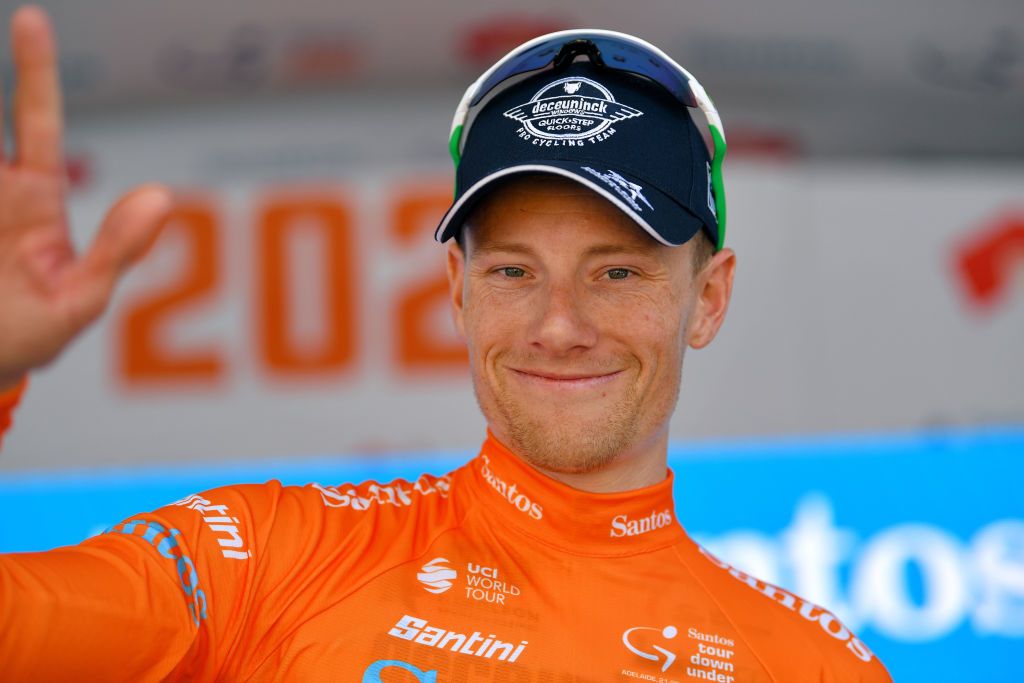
576, 322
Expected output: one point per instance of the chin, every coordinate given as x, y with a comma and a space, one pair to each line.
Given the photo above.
560, 441
570, 437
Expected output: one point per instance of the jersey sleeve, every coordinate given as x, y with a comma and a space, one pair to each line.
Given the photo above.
793, 639
162, 595
8, 402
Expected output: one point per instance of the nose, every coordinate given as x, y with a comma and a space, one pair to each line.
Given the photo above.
562, 323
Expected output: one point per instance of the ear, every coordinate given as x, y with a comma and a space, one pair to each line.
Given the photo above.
714, 290
456, 265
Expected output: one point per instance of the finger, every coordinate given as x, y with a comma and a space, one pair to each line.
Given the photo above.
38, 121
3, 130
127, 232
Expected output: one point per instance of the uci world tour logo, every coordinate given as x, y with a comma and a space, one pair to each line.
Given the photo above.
436, 576
570, 112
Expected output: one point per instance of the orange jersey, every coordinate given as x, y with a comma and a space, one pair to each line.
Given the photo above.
494, 572
8, 402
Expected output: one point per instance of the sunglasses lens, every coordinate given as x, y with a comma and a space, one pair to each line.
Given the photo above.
635, 58
617, 54
535, 58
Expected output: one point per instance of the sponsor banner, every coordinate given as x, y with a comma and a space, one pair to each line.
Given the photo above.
914, 541
791, 66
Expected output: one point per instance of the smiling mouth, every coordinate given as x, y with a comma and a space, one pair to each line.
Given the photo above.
566, 380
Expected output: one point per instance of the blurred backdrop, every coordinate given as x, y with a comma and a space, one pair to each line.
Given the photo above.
856, 432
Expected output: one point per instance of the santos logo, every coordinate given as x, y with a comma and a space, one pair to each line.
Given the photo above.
509, 492
624, 526
436, 576
909, 582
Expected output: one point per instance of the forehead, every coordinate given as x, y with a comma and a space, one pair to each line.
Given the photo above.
549, 208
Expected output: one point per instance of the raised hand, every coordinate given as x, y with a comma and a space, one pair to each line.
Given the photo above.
48, 293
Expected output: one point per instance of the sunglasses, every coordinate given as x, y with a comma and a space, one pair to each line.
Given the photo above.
608, 49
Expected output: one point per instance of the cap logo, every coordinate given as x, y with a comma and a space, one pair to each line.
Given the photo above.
711, 193
570, 112
626, 189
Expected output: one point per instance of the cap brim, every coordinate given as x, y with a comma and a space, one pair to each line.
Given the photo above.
655, 212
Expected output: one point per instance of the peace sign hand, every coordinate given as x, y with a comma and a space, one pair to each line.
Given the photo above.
48, 293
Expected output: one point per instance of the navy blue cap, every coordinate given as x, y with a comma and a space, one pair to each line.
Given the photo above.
620, 134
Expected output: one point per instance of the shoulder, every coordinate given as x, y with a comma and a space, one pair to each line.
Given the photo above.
792, 636
315, 520
426, 492
353, 515
407, 511
273, 502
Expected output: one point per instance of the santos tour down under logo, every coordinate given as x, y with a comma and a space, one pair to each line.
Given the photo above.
569, 112
660, 654
436, 576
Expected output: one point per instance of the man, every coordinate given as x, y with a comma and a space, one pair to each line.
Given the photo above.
586, 259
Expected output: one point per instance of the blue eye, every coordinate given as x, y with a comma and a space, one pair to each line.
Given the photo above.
618, 273
513, 271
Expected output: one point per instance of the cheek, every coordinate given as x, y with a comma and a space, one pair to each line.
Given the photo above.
491, 313
662, 363
656, 324
659, 344
490, 324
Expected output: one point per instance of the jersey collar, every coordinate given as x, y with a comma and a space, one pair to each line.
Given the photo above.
609, 524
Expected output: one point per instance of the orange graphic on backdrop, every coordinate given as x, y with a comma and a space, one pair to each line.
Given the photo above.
988, 262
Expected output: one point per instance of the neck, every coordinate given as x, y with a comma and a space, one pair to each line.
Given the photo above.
610, 524
646, 464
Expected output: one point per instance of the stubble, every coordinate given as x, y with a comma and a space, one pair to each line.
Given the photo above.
558, 439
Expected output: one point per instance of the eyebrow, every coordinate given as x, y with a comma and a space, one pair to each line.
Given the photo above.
596, 250
615, 249
504, 248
